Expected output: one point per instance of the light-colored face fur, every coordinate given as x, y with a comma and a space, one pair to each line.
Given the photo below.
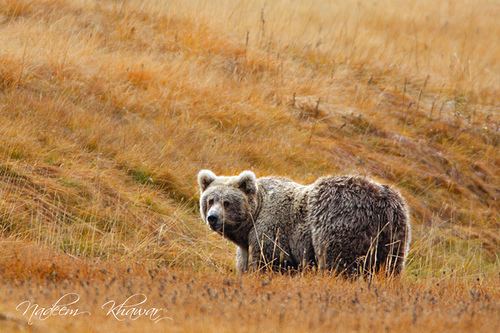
227, 203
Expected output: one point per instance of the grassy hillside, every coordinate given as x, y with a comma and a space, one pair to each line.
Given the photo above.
109, 108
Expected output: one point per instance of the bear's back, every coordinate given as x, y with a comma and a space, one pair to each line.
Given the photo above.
332, 198
351, 218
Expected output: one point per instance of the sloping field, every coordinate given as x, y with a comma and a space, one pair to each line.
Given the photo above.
108, 109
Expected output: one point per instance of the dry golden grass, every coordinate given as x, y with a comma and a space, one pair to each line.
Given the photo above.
109, 108
211, 302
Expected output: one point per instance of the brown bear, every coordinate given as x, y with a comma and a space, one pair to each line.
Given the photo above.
347, 224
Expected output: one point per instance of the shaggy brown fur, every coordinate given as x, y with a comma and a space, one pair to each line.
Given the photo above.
348, 224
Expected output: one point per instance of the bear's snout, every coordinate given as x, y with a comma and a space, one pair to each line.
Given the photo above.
213, 221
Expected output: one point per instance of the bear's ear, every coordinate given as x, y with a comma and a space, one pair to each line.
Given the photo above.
247, 182
205, 178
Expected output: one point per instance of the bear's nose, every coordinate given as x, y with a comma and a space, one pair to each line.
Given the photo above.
212, 219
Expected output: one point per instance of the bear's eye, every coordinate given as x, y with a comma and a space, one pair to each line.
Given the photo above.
210, 202
226, 204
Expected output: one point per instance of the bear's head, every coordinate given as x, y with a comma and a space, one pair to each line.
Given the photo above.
228, 204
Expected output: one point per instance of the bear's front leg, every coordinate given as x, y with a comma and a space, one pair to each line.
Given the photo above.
257, 258
268, 254
241, 260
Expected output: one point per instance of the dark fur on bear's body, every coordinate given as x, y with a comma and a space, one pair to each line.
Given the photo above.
348, 224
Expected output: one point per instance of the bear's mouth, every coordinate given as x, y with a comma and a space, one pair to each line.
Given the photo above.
220, 226
217, 227
221, 230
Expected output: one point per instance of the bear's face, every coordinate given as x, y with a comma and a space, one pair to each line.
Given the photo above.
227, 203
